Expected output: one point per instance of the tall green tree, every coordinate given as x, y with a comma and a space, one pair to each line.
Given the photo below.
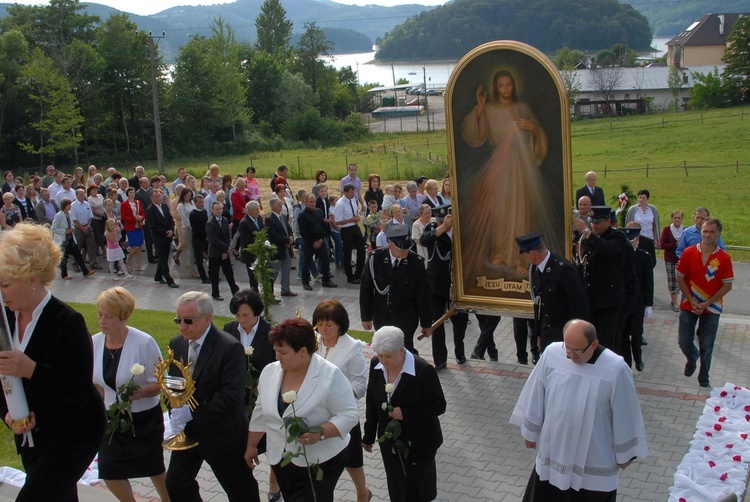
58, 116
274, 29
312, 44
14, 51
230, 81
264, 75
737, 57
569, 57
674, 82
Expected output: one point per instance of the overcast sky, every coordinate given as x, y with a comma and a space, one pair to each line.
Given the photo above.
145, 7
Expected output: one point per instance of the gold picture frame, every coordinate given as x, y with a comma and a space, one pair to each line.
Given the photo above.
509, 158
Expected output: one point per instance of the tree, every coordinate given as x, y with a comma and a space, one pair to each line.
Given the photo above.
572, 83
567, 57
312, 44
274, 30
605, 80
264, 74
737, 58
230, 83
59, 116
674, 82
14, 51
709, 91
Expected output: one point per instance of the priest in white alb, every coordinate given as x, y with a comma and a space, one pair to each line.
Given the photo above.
580, 408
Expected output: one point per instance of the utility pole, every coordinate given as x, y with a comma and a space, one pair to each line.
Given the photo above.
426, 109
155, 102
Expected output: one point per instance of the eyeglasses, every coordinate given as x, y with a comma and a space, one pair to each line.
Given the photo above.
578, 352
186, 320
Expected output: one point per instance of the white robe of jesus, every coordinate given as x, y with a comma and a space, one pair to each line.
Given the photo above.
585, 419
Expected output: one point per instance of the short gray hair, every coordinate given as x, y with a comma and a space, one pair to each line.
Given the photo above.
202, 301
388, 339
253, 204
273, 201
411, 186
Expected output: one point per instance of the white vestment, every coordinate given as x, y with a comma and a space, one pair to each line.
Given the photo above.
585, 419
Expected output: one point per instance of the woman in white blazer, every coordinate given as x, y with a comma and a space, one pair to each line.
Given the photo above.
117, 348
324, 398
331, 321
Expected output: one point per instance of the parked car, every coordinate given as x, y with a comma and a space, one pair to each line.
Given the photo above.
434, 92
416, 102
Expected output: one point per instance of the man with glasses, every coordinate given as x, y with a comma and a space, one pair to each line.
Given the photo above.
219, 422
602, 259
394, 288
580, 408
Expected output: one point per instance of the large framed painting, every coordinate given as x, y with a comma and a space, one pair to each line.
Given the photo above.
508, 126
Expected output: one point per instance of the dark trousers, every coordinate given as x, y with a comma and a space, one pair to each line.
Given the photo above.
70, 248
632, 335
353, 239
294, 481
608, 328
227, 464
149, 241
523, 333
544, 491
486, 341
163, 248
251, 276
440, 306
53, 471
310, 253
98, 228
200, 247
213, 273
420, 482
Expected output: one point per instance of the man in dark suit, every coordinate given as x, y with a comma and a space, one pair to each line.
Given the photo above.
603, 258
219, 422
393, 289
632, 333
198, 218
282, 170
219, 242
280, 235
249, 225
135, 181
556, 288
143, 194
160, 224
312, 228
438, 239
590, 190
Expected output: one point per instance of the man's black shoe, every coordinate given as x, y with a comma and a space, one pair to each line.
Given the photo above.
160, 281
690, 368
173, 285
440, 366
218, 298
474, 355
353, 281
330, 284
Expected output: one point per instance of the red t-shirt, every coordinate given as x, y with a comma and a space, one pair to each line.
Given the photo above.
705, 280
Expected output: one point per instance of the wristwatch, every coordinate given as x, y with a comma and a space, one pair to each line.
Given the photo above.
322, 435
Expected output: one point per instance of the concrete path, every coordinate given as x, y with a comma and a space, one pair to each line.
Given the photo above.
483, 457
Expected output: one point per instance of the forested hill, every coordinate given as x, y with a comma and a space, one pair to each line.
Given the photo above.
450, 31
667, 19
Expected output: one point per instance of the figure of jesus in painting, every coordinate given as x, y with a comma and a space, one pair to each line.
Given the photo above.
507, 196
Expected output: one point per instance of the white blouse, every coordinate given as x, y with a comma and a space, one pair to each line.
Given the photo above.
348, 357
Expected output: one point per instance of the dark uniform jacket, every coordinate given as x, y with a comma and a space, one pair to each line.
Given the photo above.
311, 225
198, 219
159, 223
645, 275
394, 297
439, 251
218, 237
603, 268
562, 297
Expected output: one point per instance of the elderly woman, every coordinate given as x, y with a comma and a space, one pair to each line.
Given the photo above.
335, 345
136, 454
670, 238
62, 227
53, 357
13, 213
417, 229
412, 201
432, 198
185, 206
239, 199
647, 215
416, 401
303, 383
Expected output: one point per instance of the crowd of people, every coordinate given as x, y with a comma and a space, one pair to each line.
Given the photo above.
404, 283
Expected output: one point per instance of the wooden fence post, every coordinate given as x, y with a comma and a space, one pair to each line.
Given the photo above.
684, 163
605, 171
647, 169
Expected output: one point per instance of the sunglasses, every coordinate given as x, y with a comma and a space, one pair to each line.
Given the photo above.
186, 320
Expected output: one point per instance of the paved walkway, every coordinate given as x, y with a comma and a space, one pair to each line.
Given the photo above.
483, 457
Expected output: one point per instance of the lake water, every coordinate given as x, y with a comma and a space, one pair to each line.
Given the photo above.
437, 74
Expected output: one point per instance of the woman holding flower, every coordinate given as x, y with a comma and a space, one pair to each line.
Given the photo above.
403, 402
335, 345
302, 387
124, 359
53, 357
